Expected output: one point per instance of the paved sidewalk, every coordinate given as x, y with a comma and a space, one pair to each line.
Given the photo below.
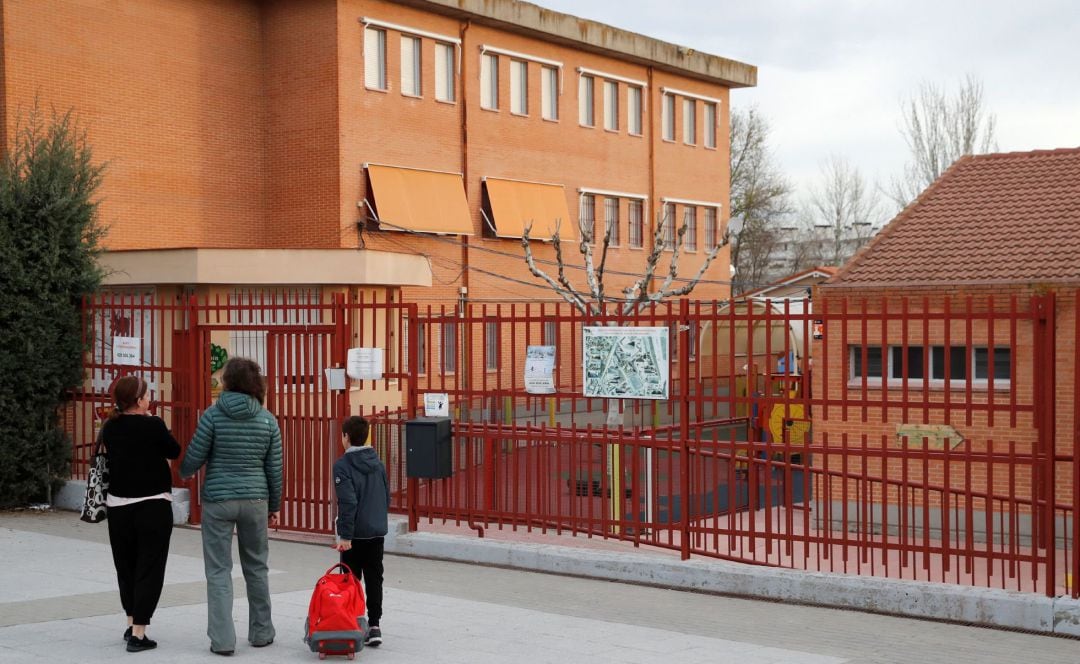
58, 603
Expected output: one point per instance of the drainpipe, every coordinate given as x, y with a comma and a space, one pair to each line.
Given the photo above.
464, 145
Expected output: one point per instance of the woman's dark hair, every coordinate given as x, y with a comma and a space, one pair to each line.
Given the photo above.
244, 376
126, 392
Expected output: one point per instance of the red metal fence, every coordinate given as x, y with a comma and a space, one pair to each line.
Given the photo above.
943, 447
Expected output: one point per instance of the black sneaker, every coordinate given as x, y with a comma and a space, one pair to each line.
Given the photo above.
374, 637
136, 644
127, 635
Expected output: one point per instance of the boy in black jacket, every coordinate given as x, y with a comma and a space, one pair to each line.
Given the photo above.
363, 498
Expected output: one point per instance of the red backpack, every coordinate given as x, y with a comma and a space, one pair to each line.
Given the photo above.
336, 624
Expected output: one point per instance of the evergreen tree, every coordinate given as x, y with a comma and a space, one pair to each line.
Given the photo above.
49, 239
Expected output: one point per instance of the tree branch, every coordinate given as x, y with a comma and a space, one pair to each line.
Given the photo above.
566, 290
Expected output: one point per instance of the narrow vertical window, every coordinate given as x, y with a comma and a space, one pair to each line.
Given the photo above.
587, 218
710, 125
690, 221
689, 121
491, 345
410, 66
519, 87
667, 222
636, 210
668, 111
444, 72
375, 58
586, 107
449, 347
711, 238
489, 82
611, 220
549, 93
633, 110
421, 345
611, 105
549, 333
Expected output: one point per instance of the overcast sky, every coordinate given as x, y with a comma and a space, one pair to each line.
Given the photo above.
831, 73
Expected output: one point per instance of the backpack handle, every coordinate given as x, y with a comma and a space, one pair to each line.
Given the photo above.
342, 566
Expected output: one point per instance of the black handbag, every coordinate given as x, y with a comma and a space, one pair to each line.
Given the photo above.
97, 486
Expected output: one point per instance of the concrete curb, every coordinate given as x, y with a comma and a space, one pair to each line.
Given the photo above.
983, 606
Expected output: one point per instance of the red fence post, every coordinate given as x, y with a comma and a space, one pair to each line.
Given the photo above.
411, 487
684, 423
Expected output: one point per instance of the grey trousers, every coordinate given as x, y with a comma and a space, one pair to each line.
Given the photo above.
249, 517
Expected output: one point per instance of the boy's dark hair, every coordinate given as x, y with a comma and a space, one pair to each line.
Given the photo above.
244, 376
356, 428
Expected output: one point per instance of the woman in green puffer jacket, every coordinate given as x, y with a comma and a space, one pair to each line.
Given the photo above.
240, 443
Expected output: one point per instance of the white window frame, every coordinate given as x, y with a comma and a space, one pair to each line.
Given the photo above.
489, 81
611, 105
710, 121
668, 221
491, 345
549, 93
667, 117
712, 229
635, 97
519, 87
587, 101
893, 371
445, 74
689, 132
375, 59
690, 221
590, 207
448, 346
412, 60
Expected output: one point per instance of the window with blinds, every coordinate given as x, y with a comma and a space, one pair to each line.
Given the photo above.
489, 82
444, 72
410, 66
668, 221
690, 221
636, 212
586, 105
519, 87
611, 105
710, 125
611, 220
689, 121
668, 112
587, 217
711, 237
549, 93
375, 58
633, 110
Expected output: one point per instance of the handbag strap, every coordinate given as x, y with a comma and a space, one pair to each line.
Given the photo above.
100, 439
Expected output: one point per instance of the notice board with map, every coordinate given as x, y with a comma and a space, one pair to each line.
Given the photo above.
625, 362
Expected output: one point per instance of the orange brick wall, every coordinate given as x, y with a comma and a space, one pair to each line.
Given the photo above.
839, 426
170, 94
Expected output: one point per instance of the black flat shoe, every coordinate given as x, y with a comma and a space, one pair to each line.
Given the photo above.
263, 644
127, 634
223, 653
139, 645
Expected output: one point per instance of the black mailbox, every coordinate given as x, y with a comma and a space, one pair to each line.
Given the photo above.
428, 448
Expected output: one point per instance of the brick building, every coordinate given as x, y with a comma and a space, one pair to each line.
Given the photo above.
373, 145
976, 282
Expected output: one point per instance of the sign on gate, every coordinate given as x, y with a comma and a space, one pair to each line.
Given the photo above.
626, 362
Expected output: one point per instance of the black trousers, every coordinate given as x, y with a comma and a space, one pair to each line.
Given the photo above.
139, 535
365, 560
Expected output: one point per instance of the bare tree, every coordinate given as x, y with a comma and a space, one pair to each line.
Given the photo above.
593, 299
759, 198
843, 212
939, 128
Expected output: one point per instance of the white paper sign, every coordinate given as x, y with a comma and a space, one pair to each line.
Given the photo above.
127, 350
335, 378
540, 369
436, 404
365, 363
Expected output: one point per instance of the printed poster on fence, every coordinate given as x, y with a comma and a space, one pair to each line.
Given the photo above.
127, 350
436, 404
540, 369
365, 363
625, 362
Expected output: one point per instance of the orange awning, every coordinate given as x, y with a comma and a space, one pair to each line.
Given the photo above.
514, 205
411, 199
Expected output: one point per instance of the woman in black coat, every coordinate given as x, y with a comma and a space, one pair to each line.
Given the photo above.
138, 447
